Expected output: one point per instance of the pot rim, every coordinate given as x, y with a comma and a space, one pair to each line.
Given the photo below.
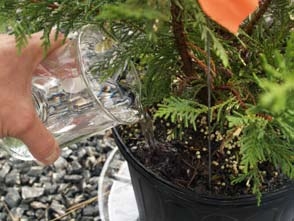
190, 195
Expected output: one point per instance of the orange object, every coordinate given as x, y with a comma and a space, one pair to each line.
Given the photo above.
229, 13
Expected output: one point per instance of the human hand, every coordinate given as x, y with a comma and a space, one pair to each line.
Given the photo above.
17, 113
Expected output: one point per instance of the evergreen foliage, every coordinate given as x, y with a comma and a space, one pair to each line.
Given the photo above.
252, 73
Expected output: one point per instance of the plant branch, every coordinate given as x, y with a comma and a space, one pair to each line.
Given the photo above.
200, 63
235, 93
181, 38
262, 9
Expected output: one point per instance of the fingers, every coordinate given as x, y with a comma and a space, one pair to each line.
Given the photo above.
21, 121
40, 142
34, 50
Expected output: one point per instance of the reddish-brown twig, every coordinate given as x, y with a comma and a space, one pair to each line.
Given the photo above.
235, 93
181, 38
257, 16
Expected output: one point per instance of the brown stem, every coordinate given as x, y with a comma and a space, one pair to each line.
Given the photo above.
262, 9
181, 38
226, 71
235, 93
50, 5
202, 64
204, 53
53, 6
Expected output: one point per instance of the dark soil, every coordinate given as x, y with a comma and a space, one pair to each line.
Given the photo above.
184, 160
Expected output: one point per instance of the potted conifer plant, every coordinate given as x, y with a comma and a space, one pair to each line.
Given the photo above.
216, 140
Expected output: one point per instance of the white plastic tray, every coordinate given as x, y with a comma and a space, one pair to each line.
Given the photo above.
116, 198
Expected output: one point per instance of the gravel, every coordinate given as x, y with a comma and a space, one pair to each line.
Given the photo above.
65, 191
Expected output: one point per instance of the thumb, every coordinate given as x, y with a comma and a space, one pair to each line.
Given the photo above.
40, 141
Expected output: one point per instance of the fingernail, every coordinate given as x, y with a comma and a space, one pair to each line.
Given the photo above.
40, 163
53, 156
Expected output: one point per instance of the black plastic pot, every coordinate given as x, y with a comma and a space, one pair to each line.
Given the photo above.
159, 200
